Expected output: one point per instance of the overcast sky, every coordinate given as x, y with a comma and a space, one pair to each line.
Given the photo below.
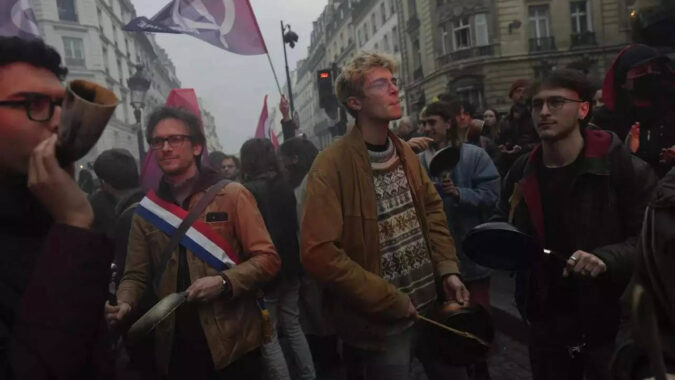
233, 86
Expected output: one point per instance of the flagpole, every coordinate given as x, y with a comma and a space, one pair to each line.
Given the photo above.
274, 72
276, 79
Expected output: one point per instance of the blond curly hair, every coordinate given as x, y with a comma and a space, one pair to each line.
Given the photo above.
353, 73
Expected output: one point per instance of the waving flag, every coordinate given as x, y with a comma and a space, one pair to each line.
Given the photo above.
227, 24
264, 129
17, 19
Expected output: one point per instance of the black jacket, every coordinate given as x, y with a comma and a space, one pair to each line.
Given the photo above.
277, 204
656, 262
53, 281
603, 213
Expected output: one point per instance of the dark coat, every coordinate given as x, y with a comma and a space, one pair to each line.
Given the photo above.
603, 213
277, 204
53, 281
514, 132
656, 262
103, 204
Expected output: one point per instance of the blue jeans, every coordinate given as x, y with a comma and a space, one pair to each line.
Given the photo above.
282, 303
395, 362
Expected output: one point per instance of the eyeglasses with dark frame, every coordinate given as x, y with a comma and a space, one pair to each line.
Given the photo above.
383, 84
175, 141
39, 107
554, 103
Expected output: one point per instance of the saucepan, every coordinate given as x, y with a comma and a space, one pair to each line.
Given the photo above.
500, 245
87, 108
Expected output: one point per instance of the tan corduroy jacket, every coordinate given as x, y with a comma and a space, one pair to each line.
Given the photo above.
232, 327
340, 243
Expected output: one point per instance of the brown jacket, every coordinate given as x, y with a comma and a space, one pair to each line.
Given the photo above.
232, 327
340, 245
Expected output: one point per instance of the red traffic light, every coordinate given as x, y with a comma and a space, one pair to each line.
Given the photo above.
324, 74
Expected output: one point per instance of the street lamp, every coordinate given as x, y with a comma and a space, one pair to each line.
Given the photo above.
138, 85
290, 38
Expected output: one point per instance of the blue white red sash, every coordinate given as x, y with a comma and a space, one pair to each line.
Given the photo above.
200, 239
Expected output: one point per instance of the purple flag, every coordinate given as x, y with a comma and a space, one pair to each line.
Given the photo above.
17, 19
227, 24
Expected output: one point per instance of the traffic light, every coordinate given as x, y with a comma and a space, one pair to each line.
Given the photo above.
327, 98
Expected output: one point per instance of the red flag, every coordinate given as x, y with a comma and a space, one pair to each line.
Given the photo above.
264, 129
184, 98
227, 24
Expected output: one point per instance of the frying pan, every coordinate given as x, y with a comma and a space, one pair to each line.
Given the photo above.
444, 161
500, 245
153, 317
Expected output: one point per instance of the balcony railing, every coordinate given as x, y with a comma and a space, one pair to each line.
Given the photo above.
542, 44
473, 52
75, 62
583, 39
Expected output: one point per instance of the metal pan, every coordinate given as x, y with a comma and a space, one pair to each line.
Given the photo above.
500, 245
153, 317
444, 161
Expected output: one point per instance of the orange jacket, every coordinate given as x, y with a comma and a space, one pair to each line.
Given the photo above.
340, 245
232, 327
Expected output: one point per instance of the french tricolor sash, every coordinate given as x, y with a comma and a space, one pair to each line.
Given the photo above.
200, 239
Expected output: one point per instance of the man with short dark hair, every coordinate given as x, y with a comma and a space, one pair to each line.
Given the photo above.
53, 268
118, 173
223, 260
516, 134
231, 167
582, 195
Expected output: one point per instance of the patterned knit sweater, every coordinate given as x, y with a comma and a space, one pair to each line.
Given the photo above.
404, 253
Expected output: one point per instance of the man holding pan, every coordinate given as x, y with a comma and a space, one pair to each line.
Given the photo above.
374, 233
220, 263
582, 195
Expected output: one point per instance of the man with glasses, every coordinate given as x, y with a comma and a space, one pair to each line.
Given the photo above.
53, 267
217, 334
374, 232
581, 194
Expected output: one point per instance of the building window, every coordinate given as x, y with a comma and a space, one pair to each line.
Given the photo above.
539, 23
581, 17
100, 19
395, 39
481, 29
360, 38
412, 8
417, 55
105, 60
461, 32
121, 71
373, 22
392, 7
377, 46
66, 10
114, 36
470, 89
365, 32
74, 51
446, 43
385, 43
383, 11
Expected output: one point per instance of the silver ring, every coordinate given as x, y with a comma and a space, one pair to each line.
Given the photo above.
574, 259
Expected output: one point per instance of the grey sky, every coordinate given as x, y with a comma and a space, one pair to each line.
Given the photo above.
233, 86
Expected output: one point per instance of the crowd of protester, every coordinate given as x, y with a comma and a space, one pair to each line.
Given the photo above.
304, 264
